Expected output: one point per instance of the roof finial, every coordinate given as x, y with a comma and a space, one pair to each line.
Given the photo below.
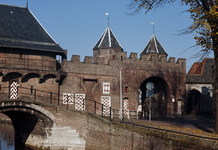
27, 4
107, 14
153, 26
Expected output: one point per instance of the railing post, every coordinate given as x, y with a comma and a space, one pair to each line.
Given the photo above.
50, 97
23, 62
128, 113
58, 98
143, 114
27, 65
67, 101
137, 114
83, 104
34, 94
42, 64
58, 94
119, 113
102, 110
17, 91
95, 108
110, 113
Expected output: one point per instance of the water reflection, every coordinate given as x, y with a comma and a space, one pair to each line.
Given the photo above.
7, 138
5, 146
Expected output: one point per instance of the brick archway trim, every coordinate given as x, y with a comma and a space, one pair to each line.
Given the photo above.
25, 107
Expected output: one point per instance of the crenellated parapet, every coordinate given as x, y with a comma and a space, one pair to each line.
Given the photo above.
75, 59
88, 60
145, 62
133, 56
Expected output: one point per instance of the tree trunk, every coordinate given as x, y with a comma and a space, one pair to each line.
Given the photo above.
216, 95
215, 47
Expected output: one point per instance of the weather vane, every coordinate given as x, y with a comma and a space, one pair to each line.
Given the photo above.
107, 14
153, 26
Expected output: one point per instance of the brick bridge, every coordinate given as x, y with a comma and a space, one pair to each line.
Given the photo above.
34, 125
40, 119
45, 119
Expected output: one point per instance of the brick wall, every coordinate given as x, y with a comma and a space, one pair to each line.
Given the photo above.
27, 59
135, 71
88, 77
100, 133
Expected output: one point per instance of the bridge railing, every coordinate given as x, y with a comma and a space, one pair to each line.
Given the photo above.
29, 94
35, 95
46, 97
125, 114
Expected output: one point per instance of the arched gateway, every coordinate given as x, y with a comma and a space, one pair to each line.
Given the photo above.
194, 103
159, 101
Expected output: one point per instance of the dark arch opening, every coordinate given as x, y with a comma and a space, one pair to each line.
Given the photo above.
159, 101
48, 76
12, 76
26, 121
24, 124
193, 102
30, 76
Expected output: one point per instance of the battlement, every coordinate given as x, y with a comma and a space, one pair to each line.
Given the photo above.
75, 59
88, 60
121, 59
133, 56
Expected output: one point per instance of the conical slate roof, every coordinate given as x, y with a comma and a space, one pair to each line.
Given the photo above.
153, 47
107, 39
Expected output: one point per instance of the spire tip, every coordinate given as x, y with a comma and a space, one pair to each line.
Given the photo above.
107, 14
27, 4
153, 26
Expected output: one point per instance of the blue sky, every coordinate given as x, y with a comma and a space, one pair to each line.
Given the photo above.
78, 24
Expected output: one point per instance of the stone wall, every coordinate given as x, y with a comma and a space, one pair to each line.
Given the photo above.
100, 133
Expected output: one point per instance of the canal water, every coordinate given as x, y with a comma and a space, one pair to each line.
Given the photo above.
7, 138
